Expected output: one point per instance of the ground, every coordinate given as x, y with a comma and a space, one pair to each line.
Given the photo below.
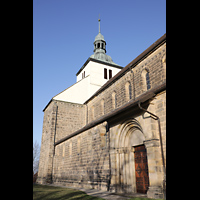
42, 192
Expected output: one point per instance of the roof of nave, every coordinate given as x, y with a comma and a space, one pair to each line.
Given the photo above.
132, 64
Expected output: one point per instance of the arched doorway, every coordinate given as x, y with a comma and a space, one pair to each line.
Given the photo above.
141, 169
131, 159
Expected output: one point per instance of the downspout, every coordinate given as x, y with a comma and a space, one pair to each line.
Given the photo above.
55, 131
86, 114
131, 70
161, 145
108, 138
54, 143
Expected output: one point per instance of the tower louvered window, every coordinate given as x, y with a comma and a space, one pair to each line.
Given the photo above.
105, 73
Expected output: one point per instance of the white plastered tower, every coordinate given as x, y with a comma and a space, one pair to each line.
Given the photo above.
94, 73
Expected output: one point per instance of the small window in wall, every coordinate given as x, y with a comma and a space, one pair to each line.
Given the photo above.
114, 100
102, 107
148, 81
98, 45
128, 89
110, 73
105, 73
83, 74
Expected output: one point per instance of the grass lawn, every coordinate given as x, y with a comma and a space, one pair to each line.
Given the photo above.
42, 192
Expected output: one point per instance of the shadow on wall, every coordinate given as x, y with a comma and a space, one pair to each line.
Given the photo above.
98, 169
91, 166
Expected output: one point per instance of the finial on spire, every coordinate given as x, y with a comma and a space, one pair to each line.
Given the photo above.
99, 23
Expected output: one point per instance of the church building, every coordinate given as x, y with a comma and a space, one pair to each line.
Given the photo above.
108, 130
94, 73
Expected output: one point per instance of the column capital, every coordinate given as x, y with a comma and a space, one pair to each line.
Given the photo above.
152, 143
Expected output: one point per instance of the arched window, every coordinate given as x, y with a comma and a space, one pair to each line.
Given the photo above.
114, 100
102, 107
164, 65
146, 80
128, 89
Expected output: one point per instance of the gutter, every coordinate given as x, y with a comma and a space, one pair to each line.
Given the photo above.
54, 142
133, 103
54, 139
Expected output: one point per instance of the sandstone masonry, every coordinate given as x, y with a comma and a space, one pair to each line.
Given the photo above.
103, 155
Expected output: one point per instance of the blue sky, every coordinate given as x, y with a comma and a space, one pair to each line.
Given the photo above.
63, 36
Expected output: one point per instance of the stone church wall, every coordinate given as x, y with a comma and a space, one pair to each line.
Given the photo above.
83, 161
70, 118
122, 153
46, 151
130, 85
94, 158
60, 119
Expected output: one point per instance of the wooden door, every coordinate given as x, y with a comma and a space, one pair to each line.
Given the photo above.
141, 169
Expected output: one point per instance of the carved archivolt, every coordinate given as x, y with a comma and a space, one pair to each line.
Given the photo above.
130, 134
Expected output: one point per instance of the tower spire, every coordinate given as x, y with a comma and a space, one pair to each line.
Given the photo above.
100, 47
99, 23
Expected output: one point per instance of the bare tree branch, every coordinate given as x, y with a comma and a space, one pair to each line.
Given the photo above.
36, 156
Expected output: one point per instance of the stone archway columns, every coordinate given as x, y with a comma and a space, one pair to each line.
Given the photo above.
125, 176
155, 168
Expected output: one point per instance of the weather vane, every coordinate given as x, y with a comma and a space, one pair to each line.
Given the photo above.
99, 23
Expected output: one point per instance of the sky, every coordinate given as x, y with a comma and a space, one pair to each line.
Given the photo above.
63, 36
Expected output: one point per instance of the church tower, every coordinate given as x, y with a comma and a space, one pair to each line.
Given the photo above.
100, 48
94, 73
99, 42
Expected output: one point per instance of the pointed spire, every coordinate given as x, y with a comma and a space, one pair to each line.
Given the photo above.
99, 23
100, 48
